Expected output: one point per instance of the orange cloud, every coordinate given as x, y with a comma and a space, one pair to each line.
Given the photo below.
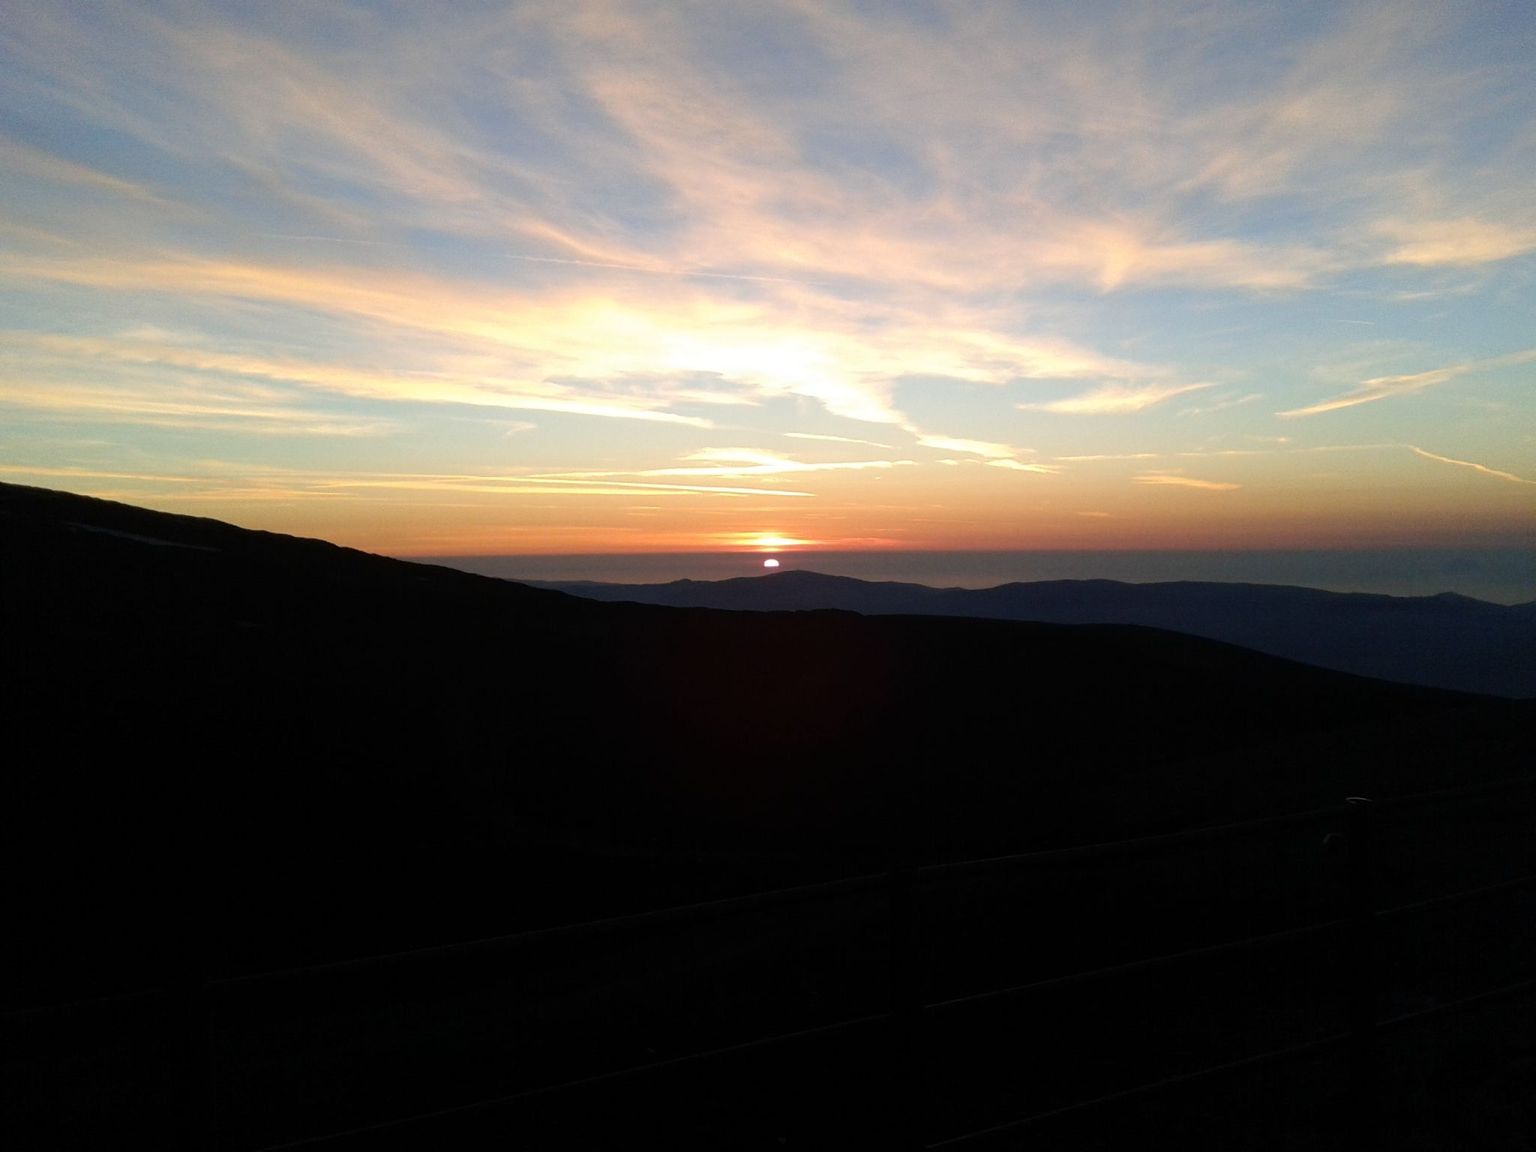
1175, 481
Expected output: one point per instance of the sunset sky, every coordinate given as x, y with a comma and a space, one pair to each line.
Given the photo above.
550, 277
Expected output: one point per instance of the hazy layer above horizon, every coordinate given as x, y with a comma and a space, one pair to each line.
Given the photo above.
1500, 576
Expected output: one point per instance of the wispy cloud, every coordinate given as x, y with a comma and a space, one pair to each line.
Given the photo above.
23, 159
985, 448
93, 474
1455, 243
755, 346
1021, 466
1483, 468
997, 455
551, 485
845, 224
146, 398
1383, 387
834, 439
217, 481
1114, 456
1222, 403
1116, 399
757, 462
728, 463
763, 541
1173, 480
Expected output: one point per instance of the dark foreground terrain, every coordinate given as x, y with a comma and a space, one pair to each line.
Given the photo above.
230, 754
1444, 641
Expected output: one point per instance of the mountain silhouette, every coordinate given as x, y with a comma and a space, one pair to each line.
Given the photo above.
1443, 641
231, 751
282, 710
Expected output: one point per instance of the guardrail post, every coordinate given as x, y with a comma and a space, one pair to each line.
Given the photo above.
1363, 972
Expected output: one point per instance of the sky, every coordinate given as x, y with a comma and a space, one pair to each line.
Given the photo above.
588, 277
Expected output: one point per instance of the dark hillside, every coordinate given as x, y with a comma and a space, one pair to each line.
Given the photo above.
191, 703
230, 751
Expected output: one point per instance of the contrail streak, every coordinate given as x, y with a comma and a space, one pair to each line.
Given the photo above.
1483, 468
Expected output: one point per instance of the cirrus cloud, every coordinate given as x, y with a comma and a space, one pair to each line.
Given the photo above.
1116, 399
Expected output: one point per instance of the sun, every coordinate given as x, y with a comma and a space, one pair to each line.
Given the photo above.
770, 563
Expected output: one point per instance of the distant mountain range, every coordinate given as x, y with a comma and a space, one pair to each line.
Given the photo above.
1445, 641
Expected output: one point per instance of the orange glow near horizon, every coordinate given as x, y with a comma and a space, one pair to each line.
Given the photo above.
1284, 500
773, 542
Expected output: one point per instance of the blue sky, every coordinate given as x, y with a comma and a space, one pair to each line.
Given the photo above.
563, 277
